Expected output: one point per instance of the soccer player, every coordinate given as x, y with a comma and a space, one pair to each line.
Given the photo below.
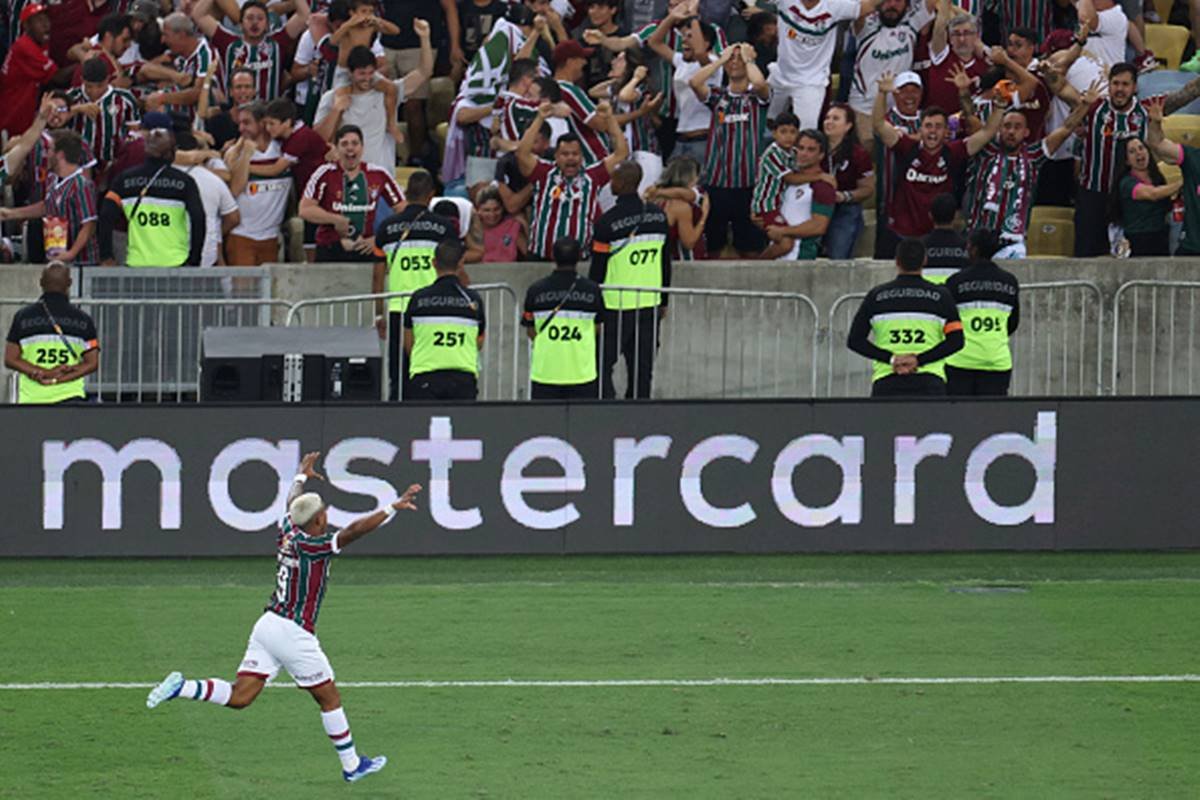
284, 635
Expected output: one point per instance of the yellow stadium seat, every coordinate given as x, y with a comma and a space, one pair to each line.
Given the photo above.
404, 173
1170, 171
1050, 237
1168, 43
1183, 128
1052, 214
1163, 7
835, 80
441, 95
439, 136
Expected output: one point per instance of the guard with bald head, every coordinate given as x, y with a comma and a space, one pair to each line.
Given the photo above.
162, 210
629, 250
52, 344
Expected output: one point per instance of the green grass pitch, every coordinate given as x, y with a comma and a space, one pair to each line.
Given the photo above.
597, 619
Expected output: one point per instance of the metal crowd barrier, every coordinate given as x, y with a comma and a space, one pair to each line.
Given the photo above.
123, 283
151, 349
498, 360
1058, 348
722, 343
1154, 337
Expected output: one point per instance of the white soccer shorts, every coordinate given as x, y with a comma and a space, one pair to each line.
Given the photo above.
277, 642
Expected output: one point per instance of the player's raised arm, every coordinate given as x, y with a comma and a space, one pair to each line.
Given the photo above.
361, 527
306, 471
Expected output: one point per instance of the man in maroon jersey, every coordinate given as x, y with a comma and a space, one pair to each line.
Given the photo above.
303, 149
927, 165
954, 44
284, 635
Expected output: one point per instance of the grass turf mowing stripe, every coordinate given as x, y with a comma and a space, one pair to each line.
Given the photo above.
617, 683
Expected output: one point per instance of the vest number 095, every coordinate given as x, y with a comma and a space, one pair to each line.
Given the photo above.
985, 324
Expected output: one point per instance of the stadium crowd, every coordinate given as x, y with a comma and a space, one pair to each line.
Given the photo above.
762, 130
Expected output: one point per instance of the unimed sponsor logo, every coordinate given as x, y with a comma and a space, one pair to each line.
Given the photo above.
439, 449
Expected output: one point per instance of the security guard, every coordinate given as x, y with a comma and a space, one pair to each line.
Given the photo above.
914, 325
52, 344
561, 315
443, 332
161, 206
988, 299
945, 248
629, 248
407, 241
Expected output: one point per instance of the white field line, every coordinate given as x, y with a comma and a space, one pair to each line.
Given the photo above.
668, 682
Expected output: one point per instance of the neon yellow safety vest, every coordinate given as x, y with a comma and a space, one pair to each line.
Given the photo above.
410, 267
158, 232
638, 262
938, 275
985, 334
564, 351
907, 333
48, 350
444, 343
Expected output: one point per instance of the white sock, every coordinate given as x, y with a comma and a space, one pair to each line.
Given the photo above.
214, 690
339, 733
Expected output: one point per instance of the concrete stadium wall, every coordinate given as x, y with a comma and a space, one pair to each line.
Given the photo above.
775, 357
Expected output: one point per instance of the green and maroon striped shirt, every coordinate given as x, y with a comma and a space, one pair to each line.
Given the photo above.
563, 207
265, 59
302, 574
1005, 189
196, 65
768, 189
735, 138
1107, 129
104, 134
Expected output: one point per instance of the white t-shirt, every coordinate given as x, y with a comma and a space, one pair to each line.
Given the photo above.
264, 201
308, 51
1082, 73
882, 49
218, 201
131, 56
1107, 42
693, 114
367, 112
807, 39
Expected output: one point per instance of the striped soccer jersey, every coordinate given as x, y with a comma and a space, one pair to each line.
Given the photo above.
302, 573
265, 59
563, 207
807, 38
196, 65
40, 158
583, 109
355, 198
73, 200
1107, 129
110, 127
739, 121
769, 186
1005, 188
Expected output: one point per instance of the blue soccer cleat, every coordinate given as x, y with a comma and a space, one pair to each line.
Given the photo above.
365, 767
167, 690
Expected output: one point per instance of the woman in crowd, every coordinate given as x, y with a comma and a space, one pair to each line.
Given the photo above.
1141, 200
678, 192
504, 237
850, 163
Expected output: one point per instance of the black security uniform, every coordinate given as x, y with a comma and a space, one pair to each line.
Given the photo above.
989, 304
945, 254
50, 333
629, 248
563, 310
163, 212
907, 316
408, 241
446, 320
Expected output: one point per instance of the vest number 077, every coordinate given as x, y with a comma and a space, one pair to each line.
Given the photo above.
644, 255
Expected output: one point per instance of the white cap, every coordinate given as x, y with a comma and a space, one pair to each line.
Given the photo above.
304, 508
908, 78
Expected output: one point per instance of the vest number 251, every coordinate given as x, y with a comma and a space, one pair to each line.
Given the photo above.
449, 339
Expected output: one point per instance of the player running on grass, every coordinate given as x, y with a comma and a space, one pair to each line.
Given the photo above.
283, 635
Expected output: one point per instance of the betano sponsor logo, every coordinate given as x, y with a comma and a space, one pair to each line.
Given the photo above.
440, 450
